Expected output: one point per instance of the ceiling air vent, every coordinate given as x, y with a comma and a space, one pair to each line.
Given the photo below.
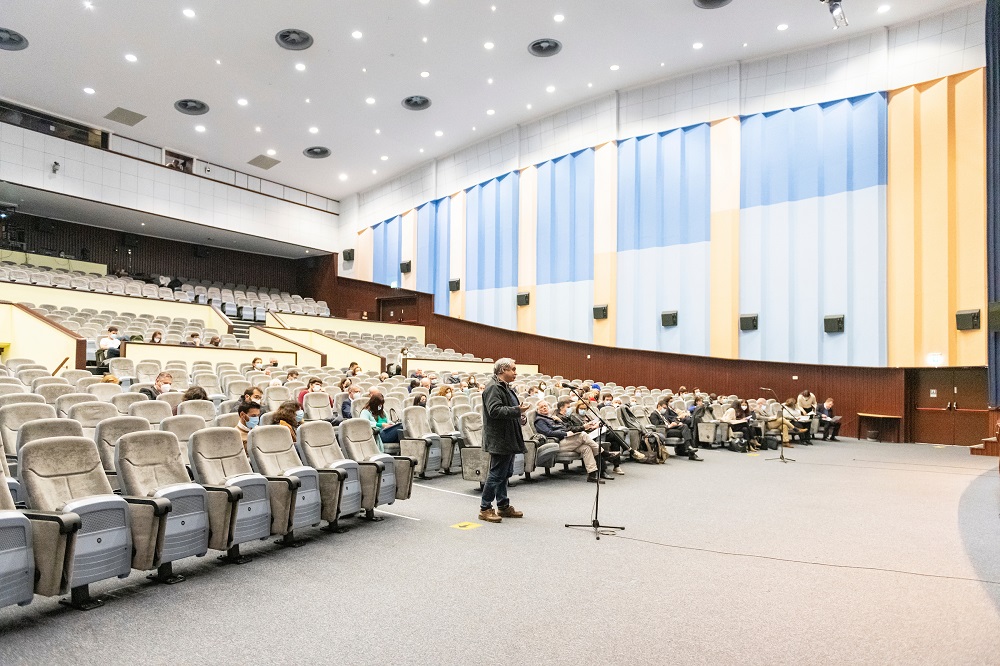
294, 39
543, 48
317, 152
263, 162
711, 4
125, 117
416, 103
12, 41
192, 107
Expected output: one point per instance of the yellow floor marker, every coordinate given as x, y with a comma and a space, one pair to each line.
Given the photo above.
467, 526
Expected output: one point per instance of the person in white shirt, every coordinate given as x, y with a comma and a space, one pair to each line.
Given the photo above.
110, 343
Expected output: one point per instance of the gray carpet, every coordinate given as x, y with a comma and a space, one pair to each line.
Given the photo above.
856, 553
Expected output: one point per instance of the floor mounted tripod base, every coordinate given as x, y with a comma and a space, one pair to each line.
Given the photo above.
597, 527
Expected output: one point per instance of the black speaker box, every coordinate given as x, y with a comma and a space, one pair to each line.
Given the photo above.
130, 240
454, 285
668, 319
601, 312
348, 254
833, 324
748, 322
200, 251
967, 320
522, 299
405, 266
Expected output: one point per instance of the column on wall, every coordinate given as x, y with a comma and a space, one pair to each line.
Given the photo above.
605, 239
724, 257
456, 206
408, 249
527, 238
363, 253
937, 221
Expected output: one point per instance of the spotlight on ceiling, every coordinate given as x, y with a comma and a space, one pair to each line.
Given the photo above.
837, 12
711, 4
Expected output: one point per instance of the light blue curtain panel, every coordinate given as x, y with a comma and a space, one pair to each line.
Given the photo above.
565, 247
491, 221
664, 222
387, 242
813, 232
434, 252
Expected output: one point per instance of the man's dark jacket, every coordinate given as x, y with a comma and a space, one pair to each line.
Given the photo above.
501, 420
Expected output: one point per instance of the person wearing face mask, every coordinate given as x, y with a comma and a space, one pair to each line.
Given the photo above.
160, 385
290, 415
314, 385
420, 400
738, 419
156, 338
249, 419
661, 416
551, 427
577, 418
252, 394
194, 340
258, 363
353, 393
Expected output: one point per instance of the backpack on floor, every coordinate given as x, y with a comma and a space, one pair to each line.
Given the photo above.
649, 446
737, 444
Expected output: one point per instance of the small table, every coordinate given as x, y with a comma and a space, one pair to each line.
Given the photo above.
880, 419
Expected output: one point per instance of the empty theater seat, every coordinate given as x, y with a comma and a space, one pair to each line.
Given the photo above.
420, 442
106, 437
442, 424
475, 461
272, 453
396, 473
12, 417
317, 443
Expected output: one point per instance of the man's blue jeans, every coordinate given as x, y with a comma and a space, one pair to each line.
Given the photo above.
501, 469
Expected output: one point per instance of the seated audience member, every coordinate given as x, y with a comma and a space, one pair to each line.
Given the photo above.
426, 383
382, 376
249, 419
463, 386
175, 284
661, 416
216, 341
345, 384
420, 400
801, 422
193, 393
110, 342
291, 376
252, 394
354, 369
353, 393
577, 441
160, 385
110, 379
806, 402
290, 415
577, 418
156, 338
384, 429
314, 385
777, 422
194, 340
257, 363
453, 378
738, 419
474, 383
417, 374
414, 383
532, 390
829, 422
446, 391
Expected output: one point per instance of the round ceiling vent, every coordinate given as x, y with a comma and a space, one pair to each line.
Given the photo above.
416, 103
543, 48
192, 107
12, 41
317, 152
711, 4
294, 39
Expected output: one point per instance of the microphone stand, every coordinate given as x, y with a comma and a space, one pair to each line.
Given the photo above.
781, 455
595, 521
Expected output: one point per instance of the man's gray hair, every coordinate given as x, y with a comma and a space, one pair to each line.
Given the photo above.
503, 364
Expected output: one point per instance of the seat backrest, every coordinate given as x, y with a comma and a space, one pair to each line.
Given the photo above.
10, 389
121, 367
358, 405
19, 398
357, 439
47, 379
441, 420
318, 444
182, 427
89, 414
458, 410
149, 460
42, 428
65, 402
317, 406
12, 417
217, 454
52, 392
437, 401
153, 411
56, 470
272, 450
104, 390
123, 401
274, 396
202, 408
471, 426
415, 423
109, 430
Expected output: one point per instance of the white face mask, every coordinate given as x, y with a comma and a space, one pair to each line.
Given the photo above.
257, 366
164, 388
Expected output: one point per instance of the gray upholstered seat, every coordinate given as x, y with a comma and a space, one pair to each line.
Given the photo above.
89, 414
274, 396
42, 428
17, 559
475, 461
183, 426
396, 472
442, 423
123, 401
106, 437
226, 420
52, 392
318, 447
104, 390
19, 398
65, 402
12, 417
420, 442
317, 406
172, 398
273, 454
153, 411
205, 409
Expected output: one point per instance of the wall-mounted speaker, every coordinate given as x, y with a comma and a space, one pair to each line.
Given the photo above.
454, 285
967, 320
601, 312
522, 299
668, 318
748, 322
130, 240
993, 316
200, 251
833, 324
405, 266
348, 254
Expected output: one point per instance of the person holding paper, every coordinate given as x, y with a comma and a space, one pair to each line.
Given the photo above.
110, 343
829, 422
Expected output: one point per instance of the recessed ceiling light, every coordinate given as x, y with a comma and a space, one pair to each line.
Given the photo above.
257, 129
313, 130
272, 152
308, 100
745, 45
307, 251
130, 57
142, 224
558, 18
378, 131
424, 75
357, 34
590, 85
374, 171
490, 112
527, 106
242, 102
189, 13
614, 68
663, 64
421, 150
199, 128
384, 158
424, 2
782, 27
488, 45
370, 100
473, 128
493, 8
301, 66
697, 45
882, 9
218, 62
88, 5
89, 91
439, 133
425, 40
489, 81
550, 89
342, 176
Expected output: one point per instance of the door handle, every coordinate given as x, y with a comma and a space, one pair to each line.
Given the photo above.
947, 407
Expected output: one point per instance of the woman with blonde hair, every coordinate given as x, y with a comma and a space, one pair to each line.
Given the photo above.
446, 391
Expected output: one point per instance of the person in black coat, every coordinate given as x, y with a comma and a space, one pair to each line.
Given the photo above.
829, 421
502, 439
665, 417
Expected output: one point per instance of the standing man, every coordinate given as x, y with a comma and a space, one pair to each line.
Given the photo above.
502, 415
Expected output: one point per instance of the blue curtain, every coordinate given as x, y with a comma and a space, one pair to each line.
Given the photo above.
491, 251
434, 251
387, 248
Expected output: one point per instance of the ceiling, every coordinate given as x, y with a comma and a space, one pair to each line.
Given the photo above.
227, 52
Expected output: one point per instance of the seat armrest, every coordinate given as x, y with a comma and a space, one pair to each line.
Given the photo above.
378, 465
328, 470
68, 522
235, 492
161, 505
293, 482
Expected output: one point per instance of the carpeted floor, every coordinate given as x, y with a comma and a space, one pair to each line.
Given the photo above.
857, 553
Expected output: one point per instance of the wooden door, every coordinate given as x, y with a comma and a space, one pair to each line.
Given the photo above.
950, 406
970, 406
399, 310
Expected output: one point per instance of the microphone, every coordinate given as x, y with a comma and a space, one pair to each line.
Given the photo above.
569, 386
764, 388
